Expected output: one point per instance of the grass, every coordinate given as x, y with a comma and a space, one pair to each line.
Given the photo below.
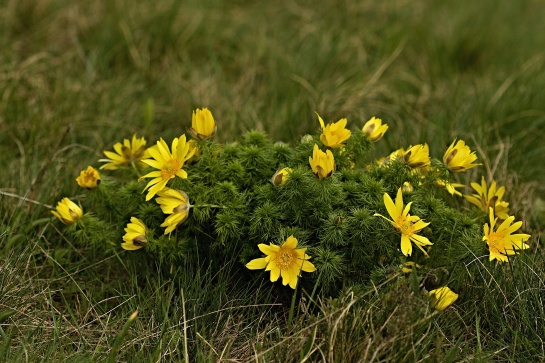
78, 76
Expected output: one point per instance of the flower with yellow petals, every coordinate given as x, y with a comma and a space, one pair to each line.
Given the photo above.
405, 223
280, 177
374, 129
501, 242
89, 178
489, 197
169, 164
459, 157
442, 298
194, 148
67, 211
176, 203
450, 187
407, 187
322, 164
203, 125
417, 156
135, 235
335, 133
395, 155
130, 152
285, 261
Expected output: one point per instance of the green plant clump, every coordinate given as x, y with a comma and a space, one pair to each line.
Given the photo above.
355, 220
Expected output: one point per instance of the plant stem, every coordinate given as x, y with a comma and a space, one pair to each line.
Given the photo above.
292, 307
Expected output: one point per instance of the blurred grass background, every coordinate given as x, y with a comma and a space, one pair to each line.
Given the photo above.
77, 76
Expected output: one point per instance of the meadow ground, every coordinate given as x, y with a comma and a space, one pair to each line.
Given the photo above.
78, 76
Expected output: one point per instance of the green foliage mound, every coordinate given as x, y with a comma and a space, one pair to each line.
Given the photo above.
255, 192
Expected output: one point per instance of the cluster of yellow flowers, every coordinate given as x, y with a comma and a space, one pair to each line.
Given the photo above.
168, 161
286, 260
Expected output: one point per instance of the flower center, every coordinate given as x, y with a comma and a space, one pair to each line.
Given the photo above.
285, 259
89, 177
170, 168
495, 241
405, 226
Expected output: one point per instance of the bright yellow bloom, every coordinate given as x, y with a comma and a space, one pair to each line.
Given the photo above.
459, 157
450, 187
418, 156
125, 154
280, 177
203, 125
322, 164
176, 203
335, 133
501, 242
67, 211
407, 187
135, 236
489, 197
169, 164
88, 178
405, 223
442, 298
193, 147
285, 261
374, 129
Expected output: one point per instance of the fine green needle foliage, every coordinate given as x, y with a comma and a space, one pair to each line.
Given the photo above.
230, 198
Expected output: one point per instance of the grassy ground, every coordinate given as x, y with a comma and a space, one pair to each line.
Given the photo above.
77, 76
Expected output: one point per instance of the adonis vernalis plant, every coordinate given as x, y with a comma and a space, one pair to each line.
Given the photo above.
254, 192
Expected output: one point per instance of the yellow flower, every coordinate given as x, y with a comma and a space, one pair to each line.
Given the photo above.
489, 197
193, 147
88, 178
280, 177
442, 298
176, 203
405, 223
407, 187
285, 261
203, 125
67, 211
459, 157
501, 242
334, 134
322, 164
450, 187
169, 164
125, 154
374, 129
135, 236
418, 156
